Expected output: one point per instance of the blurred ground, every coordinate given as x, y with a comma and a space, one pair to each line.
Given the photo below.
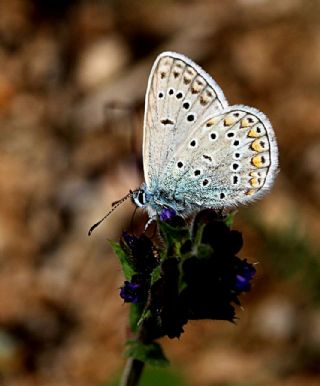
65, 156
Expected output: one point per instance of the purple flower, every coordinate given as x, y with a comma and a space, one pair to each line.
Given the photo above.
130, 292
244, 277
130, 239
167, 214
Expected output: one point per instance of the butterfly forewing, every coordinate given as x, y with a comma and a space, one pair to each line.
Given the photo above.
179, 97
230, 158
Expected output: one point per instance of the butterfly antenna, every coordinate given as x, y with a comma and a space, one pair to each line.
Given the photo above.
114, 206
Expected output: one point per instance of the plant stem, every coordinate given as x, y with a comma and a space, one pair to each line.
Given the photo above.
132, 372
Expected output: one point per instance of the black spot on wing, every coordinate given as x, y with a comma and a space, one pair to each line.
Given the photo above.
167, 121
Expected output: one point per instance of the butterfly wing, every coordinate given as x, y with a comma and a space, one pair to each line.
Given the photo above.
179, 94
229, 159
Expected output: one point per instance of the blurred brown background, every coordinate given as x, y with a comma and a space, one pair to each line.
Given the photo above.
66, 155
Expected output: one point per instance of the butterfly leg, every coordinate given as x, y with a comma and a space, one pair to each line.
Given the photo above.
151, 219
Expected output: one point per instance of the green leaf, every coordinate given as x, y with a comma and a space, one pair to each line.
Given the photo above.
198, 236
229, 218
135, 314
150, 353
173, 237
145, 315
127, 269
155, 274
182, 284
204, 251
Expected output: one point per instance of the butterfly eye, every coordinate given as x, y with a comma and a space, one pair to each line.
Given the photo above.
222, 195
142, 198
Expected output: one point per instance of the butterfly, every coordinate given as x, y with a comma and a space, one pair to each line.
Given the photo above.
199, 152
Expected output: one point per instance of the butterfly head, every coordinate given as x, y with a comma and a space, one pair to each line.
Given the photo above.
145, 199
155, 204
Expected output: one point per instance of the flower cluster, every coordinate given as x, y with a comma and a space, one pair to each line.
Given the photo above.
193, 273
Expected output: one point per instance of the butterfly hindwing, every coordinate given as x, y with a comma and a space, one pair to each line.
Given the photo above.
230, 159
